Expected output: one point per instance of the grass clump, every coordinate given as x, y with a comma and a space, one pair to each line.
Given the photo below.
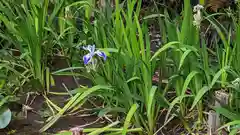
110, 44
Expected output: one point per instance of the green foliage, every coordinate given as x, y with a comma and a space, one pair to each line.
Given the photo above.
184, 58
132, 61
109, 130
41, 30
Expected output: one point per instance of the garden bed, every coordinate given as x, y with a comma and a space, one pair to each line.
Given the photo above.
119, 68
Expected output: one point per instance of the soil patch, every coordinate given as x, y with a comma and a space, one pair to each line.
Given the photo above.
29, 123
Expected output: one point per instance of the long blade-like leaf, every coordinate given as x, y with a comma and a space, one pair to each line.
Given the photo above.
128, 118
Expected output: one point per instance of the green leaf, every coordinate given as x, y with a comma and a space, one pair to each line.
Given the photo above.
173, 103
153, 16
217, 75
109, 109
108, 51
67, 69
227, 113
233, 132
151, 100
78, 102
187, 81
185, 54
133, 79
65, 133
235, 122
5, 118
101, 130
186, 28
3, 100
74, 104
199, 95
2, 82
128, 118
165, 47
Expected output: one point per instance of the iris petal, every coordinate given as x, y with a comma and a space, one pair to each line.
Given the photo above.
90, 48
87, 58
101, 54
86, 48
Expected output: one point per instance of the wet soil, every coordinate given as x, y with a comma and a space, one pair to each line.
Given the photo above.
35, 119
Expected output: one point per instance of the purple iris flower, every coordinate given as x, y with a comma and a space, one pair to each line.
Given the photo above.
88, 57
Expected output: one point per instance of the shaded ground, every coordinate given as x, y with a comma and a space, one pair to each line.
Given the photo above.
35, 119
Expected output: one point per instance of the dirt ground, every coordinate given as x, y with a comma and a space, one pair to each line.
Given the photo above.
31, 124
